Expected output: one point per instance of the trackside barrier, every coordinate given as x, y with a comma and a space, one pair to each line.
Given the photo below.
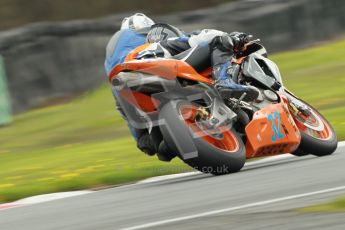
5, 103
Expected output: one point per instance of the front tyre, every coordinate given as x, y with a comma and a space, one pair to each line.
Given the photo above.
317, 134
219, 152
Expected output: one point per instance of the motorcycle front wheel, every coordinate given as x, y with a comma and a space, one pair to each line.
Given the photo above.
218, 152
317, 134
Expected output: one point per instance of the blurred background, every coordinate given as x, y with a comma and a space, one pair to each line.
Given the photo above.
59, 128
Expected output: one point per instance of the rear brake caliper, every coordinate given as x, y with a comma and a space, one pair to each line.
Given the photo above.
221, 114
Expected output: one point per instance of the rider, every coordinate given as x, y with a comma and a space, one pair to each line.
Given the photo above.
201, 50
132, 34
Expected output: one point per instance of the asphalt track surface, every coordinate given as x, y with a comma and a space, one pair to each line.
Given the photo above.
262, 196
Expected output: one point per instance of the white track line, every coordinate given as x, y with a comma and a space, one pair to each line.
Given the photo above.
187, 174
270, 159
219, 211
248, 164
42, 198
168, 177
341, 144
50, 197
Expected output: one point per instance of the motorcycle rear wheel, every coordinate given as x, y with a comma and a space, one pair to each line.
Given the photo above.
216, 154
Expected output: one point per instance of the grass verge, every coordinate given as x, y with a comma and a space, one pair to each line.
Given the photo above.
337, 205
86, 144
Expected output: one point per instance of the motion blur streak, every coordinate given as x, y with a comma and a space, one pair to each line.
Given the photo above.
264, 195
158, 223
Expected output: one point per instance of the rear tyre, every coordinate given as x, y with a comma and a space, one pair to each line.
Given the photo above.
218, 155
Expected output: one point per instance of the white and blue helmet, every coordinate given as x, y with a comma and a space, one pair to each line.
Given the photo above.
137, 21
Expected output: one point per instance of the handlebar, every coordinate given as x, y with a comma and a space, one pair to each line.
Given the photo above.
250, 42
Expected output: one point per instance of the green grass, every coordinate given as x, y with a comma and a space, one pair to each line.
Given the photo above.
337, 205
86, 144
79, 145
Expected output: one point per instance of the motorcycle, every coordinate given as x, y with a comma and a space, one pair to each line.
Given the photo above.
208, 131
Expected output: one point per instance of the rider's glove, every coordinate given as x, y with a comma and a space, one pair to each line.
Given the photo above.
239, 39
231, 42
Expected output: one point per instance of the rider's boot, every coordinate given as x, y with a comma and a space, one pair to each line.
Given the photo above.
228, 88
146, 144
221, 55
164, 153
